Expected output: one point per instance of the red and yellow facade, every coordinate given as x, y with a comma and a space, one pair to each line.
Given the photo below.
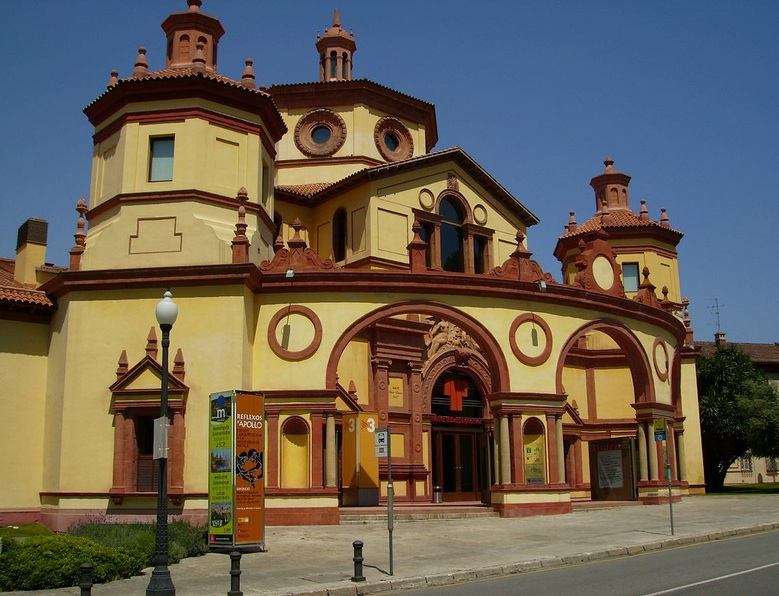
322, 253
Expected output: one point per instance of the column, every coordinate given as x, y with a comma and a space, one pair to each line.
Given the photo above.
642, 455
272, 463
552, 448
381, 388
682, 457
505, 451
496, 451
119, 451
331, 455
317, 472
560, 450
652, 454
519, 449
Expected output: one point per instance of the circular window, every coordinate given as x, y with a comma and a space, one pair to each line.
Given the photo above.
393, 140
320, 133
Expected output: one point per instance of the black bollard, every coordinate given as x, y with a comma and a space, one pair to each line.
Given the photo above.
358, 576
235, 574
86, 579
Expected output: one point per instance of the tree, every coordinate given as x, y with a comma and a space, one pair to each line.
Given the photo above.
739, 411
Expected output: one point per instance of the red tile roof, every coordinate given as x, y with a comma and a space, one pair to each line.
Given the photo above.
13, 292
616, 218
760, 354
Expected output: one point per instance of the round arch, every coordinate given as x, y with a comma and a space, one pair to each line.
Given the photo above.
497, 367
638, 362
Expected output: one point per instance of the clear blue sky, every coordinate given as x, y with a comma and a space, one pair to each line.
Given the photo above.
684, 95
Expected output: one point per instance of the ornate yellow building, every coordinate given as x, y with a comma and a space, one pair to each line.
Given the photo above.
322, 253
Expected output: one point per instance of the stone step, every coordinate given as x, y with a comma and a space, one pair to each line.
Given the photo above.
377, 515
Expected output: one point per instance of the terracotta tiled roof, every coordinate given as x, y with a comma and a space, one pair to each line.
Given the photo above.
11, 291
761, 354
303, 190
181, 73
616, 218
455, 154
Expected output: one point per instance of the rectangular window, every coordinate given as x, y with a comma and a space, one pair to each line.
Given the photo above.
630, 277
161, 159
147, 479
479, 254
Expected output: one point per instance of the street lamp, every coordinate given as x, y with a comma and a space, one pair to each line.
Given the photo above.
161, 582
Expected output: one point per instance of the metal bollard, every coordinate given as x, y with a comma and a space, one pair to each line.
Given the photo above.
235, 574
358, 576
86, 579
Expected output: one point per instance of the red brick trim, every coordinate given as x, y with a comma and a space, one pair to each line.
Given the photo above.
520, 355
283, 352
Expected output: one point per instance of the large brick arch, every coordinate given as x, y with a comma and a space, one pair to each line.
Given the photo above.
490, 348
638, 362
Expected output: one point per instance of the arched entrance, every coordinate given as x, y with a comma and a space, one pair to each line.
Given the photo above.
425, 370
460, 455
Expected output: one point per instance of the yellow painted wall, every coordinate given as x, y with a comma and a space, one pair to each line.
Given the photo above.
614, 393
85, 355
23, 360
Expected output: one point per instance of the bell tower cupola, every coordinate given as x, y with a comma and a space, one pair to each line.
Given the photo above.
611, 189
336, 48
193, 38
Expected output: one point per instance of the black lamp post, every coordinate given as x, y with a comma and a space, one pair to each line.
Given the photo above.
161, 582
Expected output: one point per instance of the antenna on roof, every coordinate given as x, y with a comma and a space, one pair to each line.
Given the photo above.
715, 311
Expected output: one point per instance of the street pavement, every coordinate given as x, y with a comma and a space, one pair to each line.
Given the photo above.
318, 560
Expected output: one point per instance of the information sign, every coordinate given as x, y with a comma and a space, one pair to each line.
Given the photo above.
236, 486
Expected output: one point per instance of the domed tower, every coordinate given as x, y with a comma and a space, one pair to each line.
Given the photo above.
336, 48
191, 32
644, 249
176, 153
340, 125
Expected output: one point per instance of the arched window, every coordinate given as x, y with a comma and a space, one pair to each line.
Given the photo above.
345, 66
339, 235
333, 65
451, 236
184, 47
294, 453
534, 444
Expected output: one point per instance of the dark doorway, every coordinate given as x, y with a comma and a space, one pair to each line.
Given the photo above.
460, 459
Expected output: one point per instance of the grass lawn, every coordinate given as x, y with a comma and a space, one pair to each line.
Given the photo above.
766, 488
24, 530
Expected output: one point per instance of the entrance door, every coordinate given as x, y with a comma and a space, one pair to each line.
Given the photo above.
457, 465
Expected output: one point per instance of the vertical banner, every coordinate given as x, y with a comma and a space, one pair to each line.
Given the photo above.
360, 464
236, 486
220, 474
249, 469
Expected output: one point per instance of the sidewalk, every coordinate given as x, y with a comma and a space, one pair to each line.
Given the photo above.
317, 560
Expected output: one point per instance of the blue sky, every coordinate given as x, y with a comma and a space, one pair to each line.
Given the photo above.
684, 95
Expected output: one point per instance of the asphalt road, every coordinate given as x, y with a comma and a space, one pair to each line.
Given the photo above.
741, 565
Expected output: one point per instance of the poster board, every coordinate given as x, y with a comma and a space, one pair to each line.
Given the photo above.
236, 473
613, 469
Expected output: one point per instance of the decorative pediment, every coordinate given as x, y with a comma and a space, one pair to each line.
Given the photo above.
521, 267
142, 381
297, 257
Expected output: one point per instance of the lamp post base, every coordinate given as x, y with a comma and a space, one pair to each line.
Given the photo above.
161, 583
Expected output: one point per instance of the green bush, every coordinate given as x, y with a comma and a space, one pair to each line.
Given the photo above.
54, 562
184, 540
